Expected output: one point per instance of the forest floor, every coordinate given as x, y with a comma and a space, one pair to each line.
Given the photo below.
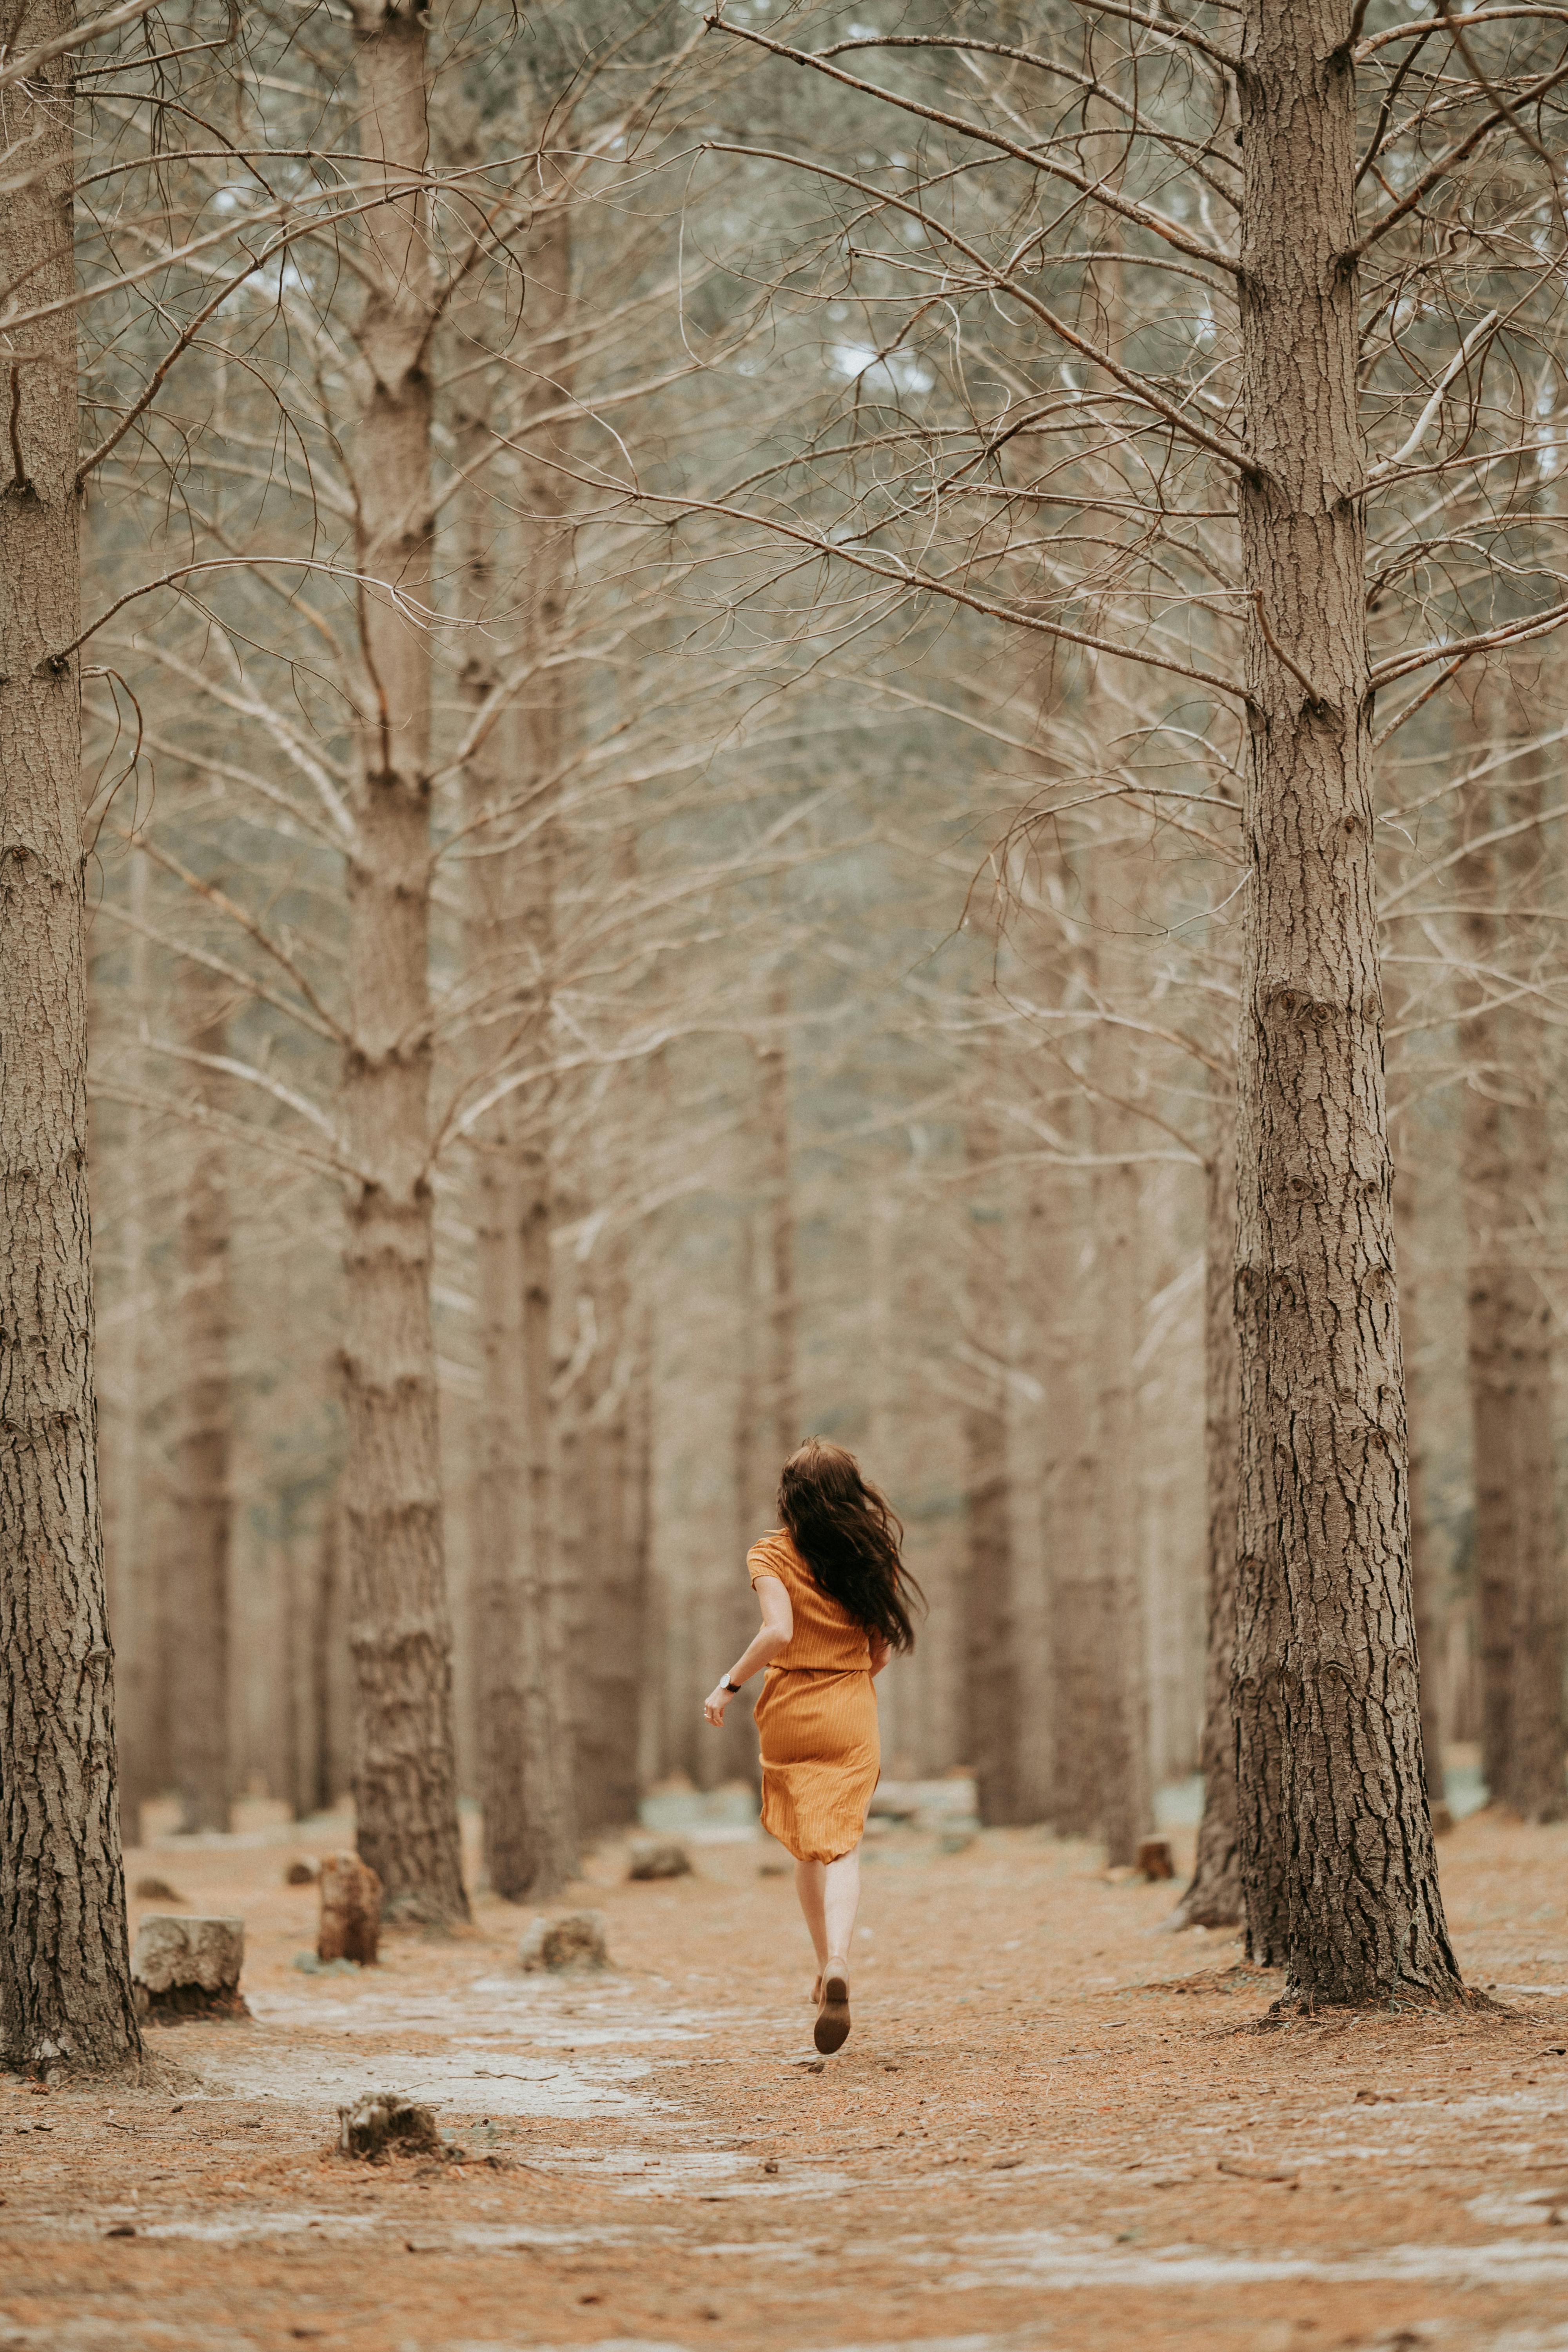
1053, 2126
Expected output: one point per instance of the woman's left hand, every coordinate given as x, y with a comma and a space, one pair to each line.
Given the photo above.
713, 1706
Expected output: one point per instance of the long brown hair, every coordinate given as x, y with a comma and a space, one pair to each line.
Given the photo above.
850, 1538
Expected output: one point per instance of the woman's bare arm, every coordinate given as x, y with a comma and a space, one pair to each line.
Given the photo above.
771, 1636
881, 1652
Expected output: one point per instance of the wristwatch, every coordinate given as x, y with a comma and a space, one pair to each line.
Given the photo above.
725, 1684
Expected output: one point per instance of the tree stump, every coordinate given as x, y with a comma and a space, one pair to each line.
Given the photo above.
188, 1968
350, 1926
384, 2123
576, 1940
1154, 1859
658, 1858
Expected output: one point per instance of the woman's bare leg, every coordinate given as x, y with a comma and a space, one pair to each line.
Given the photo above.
809, 1877
840, 1901
829, 1895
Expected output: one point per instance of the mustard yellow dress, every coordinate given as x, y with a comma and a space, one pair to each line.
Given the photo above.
817, 1716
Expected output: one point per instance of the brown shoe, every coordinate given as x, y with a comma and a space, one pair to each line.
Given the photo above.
832, 2028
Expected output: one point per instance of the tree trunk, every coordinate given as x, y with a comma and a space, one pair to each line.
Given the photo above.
567, 1383
496, 1466
889, 1450
1126, 1800
65, 1976
405, 1772
991, 1672
614, 1667
325, 1745
1506, 1168
1214, 1897
1429, 1628
1327, 1688
1484, 1171
197, 1618
648, 1727
735, 1608
1048, 1242
540, 737
296, 1773
784, 1307
1534, 1785
1075, 1567
550, 1822
132, 1557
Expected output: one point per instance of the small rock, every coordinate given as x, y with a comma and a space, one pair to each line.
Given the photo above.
385, 2123
155, 1890
350, 1926
1154, 1859
300, 1873
120, 2230
658, 1858
774, 1867
957, 1836
188, 1968
771, 2165
576, 1940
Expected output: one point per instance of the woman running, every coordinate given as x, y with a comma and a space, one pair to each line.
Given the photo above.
836, 1600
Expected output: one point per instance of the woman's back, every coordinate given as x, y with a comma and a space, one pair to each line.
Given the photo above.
825, 1636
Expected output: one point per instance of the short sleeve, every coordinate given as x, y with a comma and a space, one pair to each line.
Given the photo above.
769, 1557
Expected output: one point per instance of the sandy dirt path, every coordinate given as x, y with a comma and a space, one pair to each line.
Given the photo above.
1053, 2126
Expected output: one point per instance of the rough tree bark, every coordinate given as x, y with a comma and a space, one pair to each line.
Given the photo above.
1214, 1897
1327, 1697
197, 1614
65, 1971
405, 1772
